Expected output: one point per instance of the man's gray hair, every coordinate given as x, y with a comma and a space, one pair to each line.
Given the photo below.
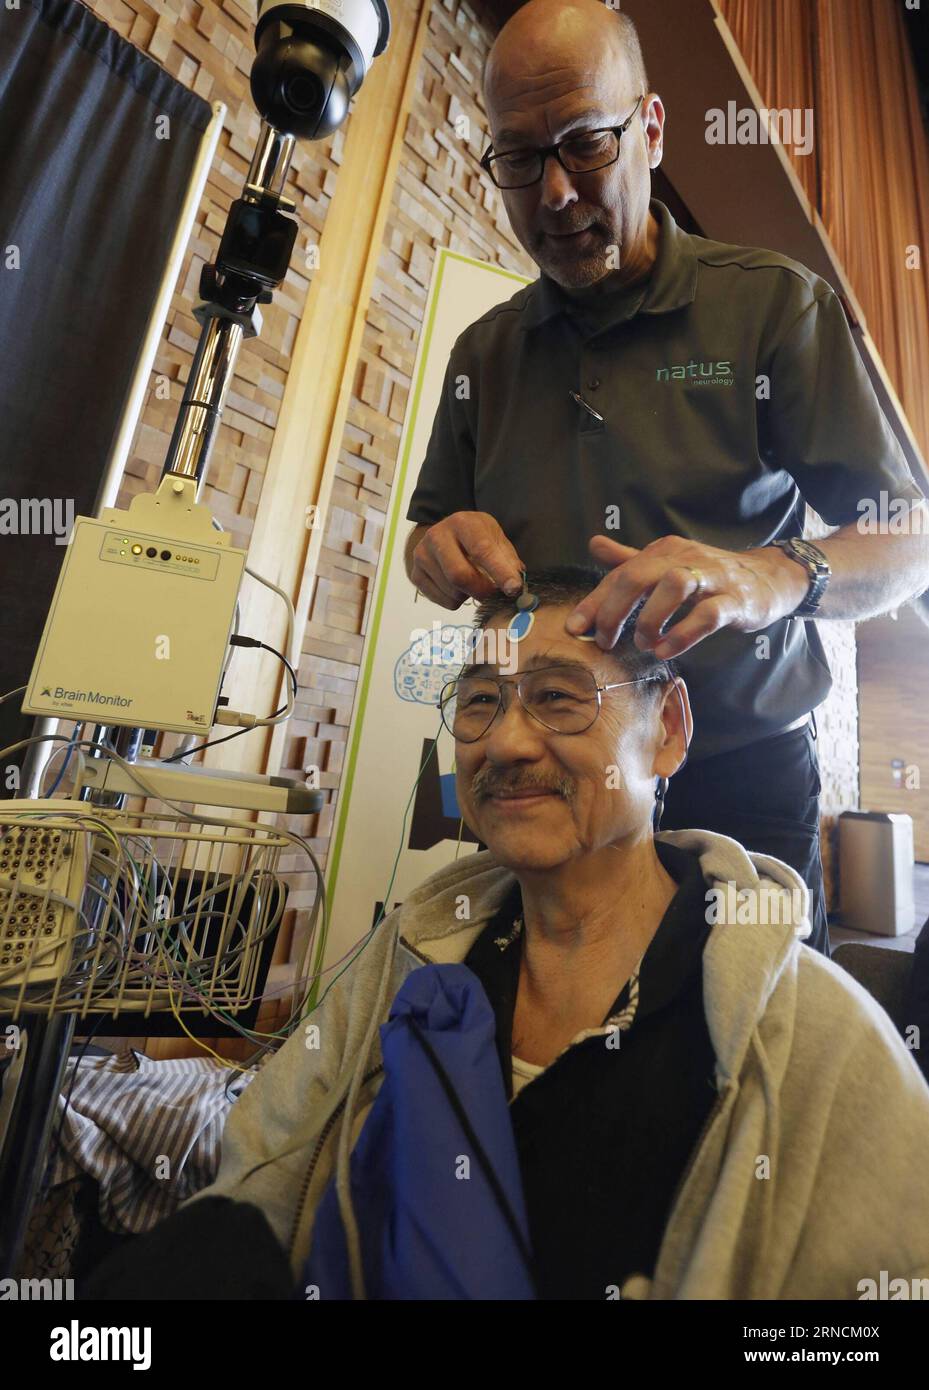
563, 585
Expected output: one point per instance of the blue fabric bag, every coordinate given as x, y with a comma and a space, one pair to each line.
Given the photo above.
435, 1178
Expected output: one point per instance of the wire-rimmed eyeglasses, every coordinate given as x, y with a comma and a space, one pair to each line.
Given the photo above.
563, 698
579, 153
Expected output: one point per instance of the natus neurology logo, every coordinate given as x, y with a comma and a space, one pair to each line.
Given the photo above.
698, 373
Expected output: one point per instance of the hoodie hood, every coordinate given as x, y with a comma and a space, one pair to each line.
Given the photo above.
757, 905
431, 919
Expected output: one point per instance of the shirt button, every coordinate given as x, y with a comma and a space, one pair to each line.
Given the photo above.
593, 383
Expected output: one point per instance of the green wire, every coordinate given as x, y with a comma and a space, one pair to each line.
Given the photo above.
390, 885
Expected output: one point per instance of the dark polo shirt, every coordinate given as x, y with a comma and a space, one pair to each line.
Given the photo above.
731, 393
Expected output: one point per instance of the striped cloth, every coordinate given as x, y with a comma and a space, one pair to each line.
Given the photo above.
147, 1131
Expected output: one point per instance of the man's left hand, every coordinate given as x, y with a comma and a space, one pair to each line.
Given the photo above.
745, 590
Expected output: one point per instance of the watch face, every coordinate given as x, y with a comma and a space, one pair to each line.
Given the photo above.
813, 555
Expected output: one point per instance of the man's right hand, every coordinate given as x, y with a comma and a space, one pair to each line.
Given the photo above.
465, 555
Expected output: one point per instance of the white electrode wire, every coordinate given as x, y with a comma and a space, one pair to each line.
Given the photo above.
292, 656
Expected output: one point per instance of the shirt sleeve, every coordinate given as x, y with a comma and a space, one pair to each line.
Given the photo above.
446, 477
827, 426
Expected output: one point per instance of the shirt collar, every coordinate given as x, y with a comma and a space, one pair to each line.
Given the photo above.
673, 954
676, 949
671, 285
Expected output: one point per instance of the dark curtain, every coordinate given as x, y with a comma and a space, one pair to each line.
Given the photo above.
89, 203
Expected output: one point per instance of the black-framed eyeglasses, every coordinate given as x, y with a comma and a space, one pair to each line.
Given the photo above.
579, 153
564, 699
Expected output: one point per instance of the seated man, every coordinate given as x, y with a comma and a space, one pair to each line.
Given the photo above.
694, 1104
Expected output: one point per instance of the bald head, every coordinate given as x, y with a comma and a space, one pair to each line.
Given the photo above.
571, 69
562, 32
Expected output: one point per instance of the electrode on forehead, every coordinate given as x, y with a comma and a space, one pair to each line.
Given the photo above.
526, 602
520, 624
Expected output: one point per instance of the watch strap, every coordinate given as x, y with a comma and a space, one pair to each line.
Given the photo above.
817, 567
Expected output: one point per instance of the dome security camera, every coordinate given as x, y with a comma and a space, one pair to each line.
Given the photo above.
312, 57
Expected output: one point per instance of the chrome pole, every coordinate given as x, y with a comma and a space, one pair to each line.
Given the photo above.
224, 326
204, 399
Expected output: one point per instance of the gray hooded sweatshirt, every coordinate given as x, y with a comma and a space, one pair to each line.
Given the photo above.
812, 1172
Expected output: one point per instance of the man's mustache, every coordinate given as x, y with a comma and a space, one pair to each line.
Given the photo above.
564, 227
488, 783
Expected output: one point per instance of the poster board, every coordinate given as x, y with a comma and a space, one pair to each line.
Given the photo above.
395, 718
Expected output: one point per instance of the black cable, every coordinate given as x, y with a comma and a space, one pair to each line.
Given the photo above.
237, 640
215, 742
489, 1174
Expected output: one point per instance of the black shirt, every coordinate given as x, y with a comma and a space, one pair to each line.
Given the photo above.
605, 1133
731, 393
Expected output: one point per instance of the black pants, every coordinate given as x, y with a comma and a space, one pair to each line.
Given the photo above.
766, 796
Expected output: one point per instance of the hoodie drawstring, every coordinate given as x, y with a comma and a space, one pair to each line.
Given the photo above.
343, 1158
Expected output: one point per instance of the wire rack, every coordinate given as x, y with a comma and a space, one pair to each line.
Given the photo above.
105, 911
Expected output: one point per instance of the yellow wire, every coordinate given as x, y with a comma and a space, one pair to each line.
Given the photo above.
234, 1066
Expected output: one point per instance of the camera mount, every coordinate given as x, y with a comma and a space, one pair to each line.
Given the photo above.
312, 57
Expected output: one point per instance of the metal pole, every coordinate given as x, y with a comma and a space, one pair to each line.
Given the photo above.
222, 330
270, 162
35, 758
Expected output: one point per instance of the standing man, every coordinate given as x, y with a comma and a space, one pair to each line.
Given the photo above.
667, 405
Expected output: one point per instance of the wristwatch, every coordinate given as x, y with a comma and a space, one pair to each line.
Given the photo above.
817, 567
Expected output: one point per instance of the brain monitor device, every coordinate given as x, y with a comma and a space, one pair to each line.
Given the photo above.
139, 625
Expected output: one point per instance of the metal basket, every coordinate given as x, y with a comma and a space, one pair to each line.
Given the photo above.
108, 911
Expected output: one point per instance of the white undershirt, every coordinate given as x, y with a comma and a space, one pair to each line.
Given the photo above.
523, 1073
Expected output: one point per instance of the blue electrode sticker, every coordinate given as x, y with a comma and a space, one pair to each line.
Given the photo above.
521, 625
